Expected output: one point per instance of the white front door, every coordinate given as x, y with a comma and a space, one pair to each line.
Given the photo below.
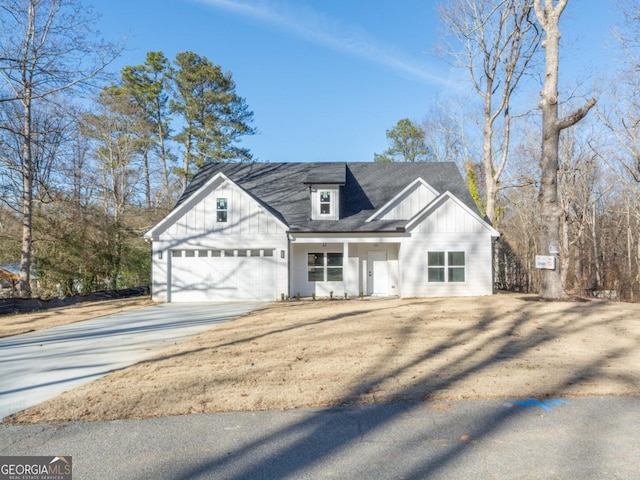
377, 273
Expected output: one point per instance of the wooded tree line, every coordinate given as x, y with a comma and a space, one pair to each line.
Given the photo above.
560, 178
88, 161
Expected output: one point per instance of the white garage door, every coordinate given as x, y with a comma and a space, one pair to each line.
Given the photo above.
222, 275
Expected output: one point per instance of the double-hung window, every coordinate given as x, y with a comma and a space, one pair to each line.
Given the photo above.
324, 267
221, 210
325, 203
446, 267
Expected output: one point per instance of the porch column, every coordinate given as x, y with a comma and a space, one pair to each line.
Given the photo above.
345, 266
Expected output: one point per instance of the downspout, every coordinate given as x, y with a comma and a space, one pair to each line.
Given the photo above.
494, 260
289, 272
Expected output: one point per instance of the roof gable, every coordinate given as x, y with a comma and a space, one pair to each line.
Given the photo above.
406, 203
183, 208
449, 221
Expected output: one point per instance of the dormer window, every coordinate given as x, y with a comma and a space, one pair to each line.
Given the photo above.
325, 203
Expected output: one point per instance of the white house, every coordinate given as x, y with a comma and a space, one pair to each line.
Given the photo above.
258, 231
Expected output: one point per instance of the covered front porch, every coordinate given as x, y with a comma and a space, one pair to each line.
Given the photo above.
334, 266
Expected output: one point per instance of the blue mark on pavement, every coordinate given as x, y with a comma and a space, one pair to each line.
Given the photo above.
545, 405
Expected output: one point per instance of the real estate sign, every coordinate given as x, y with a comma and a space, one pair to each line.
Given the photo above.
546, 262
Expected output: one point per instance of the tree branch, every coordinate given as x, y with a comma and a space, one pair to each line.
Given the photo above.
576, 116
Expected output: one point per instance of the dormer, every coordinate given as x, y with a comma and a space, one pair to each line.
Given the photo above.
325, 182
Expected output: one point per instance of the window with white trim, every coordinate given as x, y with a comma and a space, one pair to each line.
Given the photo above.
325, 202
325, 267
221, 210
446, 267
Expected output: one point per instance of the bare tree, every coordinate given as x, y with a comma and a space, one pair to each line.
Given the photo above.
47, 48
519, 233
112, 129
498, 39
628, 33
118, 147
443, 135
548, 13
620, 114
621, 118
577, 181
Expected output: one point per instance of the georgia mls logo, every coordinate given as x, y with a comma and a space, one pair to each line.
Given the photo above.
36, 468
59, 465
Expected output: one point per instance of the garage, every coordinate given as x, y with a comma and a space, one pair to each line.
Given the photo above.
213, 275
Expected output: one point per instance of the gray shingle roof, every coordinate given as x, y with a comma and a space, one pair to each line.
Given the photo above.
327, 173
283, 189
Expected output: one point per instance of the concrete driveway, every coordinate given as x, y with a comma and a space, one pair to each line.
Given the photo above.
40, 365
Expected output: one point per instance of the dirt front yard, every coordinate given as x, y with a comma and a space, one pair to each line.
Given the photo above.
319, 353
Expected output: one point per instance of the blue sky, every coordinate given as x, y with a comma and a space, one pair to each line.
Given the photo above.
326, 78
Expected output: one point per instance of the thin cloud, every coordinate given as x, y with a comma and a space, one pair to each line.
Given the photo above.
318, 28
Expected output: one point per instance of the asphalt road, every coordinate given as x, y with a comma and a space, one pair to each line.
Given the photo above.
579, 438
40, 365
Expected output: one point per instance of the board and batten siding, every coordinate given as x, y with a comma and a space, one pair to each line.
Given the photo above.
245, 216
450, 217
409, 205
478, 261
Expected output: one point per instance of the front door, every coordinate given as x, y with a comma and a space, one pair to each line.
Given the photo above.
377, 273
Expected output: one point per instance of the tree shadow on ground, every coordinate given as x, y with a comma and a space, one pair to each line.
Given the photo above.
291, 451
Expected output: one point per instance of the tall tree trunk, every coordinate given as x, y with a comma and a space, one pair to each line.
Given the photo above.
629, 258
163, 157
550, 210
596, 254
637, 277
487, 153
187, 162
564, 266
549, 17
147, 178
24, 285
